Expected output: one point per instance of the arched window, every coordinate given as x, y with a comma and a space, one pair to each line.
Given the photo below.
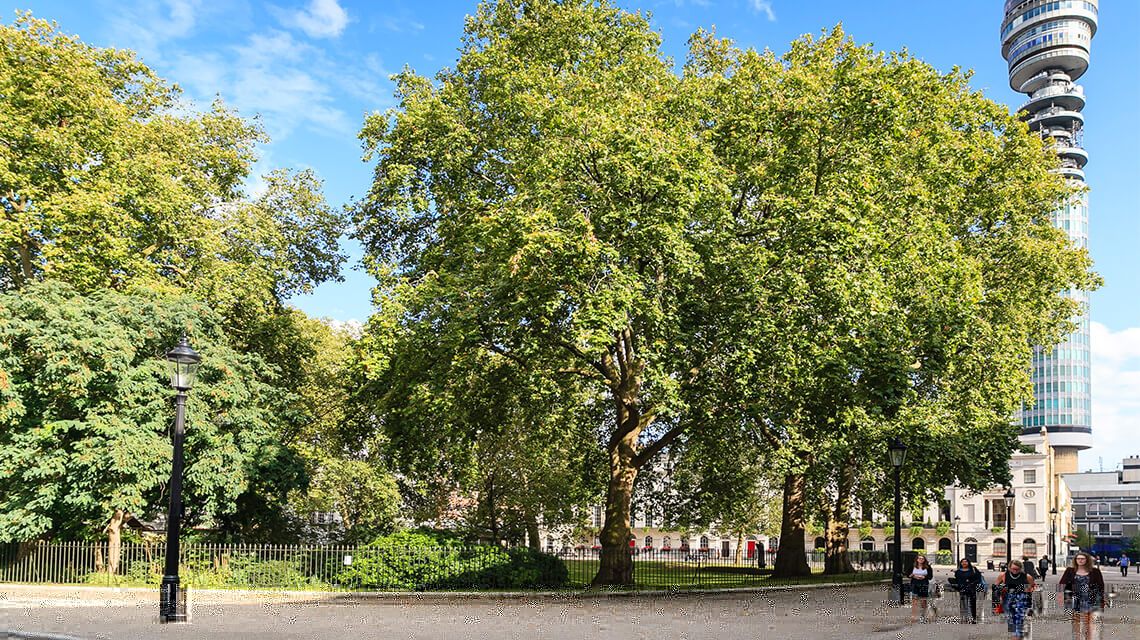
549, 543
1029, 548
944, 544
868, 544
820, 543
917, 544
704, 542
999, 546
649, 541
665, 542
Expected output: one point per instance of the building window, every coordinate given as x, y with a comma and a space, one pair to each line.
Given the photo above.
918, 544
704, 542
648, 542
1029, 548
1030, 476
868, 544
999, 546
665, 542
970, 515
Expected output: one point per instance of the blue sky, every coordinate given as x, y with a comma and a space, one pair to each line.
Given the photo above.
311, 69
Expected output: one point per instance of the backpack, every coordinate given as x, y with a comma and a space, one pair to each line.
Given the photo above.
981, 576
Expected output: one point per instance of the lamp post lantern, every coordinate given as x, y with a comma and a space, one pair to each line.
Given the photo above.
182, 362
898, 456
1008, 525
957, 540
1053, 539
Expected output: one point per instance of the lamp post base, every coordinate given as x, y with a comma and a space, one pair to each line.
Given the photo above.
172, 601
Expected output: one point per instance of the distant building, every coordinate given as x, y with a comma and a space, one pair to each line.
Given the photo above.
1040, 519
1107, 505
1046, 43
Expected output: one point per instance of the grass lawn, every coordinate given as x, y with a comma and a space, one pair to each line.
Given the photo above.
653, 574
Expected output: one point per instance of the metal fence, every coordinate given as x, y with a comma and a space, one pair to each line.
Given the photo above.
228, 566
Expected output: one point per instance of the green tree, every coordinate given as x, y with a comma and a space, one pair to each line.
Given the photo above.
108, 180
902, 259
85, 412
799, 248
550, 200
1085, 540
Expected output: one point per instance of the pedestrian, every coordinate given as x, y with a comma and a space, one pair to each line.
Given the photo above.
920, 575
1030, 570
968, 580
1124, 562
1081, 592
1016, 586
1043, 566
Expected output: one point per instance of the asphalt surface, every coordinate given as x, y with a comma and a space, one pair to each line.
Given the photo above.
847, 613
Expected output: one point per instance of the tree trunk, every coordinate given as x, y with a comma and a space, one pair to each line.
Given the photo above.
616, 566
838, 560
791, 559
532, 538
739, 544
114, 531
491, 514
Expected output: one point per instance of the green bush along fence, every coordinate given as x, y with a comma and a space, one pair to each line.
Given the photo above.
367, 567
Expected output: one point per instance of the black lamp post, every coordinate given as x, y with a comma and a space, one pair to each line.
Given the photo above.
898, 457
1008, 526
183, 364
957, 541
1053, 539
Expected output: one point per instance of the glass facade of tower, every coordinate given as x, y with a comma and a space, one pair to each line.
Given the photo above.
1046, 43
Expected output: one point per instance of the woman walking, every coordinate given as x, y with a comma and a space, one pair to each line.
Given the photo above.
969, 582
1016, 586
1081, 592
920, 576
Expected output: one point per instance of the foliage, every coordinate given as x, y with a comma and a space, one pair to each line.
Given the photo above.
944, 556
1132, 548
418, 561
365, 495
1085, 540
942, 528
916, 531
108, 180
889, 531
85, 408
865, 530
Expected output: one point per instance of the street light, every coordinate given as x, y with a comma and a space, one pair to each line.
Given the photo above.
182, 362
1053, 538
957, 540
898, 457
1008, 526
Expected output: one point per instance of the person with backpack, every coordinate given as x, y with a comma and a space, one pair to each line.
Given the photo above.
1016, 586
1081, 591
968, 580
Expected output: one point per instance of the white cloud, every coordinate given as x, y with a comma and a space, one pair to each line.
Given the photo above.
765, 7
1115, 396
322, 19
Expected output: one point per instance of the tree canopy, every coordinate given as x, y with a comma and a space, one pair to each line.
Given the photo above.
816, 249
108, 180
85, 414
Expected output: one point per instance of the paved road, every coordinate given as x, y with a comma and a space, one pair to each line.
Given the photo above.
849, 613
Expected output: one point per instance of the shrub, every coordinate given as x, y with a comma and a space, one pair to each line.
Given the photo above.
942, 528
418, 561
944, 556
916, 531
865, 530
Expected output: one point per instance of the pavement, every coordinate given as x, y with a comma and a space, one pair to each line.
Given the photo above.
840, 613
